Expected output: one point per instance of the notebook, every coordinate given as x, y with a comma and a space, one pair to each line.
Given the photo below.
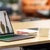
6, 30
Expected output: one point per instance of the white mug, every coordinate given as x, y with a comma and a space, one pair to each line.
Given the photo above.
43, 32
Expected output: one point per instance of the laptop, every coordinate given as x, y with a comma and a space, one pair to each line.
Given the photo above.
6, 30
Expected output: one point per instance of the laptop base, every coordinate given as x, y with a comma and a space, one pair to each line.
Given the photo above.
10, 38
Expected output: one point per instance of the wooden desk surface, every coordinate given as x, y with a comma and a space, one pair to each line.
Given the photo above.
32, 41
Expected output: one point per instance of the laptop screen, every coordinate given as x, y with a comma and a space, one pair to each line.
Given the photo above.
5, 25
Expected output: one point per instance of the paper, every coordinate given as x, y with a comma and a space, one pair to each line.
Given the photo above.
27, 32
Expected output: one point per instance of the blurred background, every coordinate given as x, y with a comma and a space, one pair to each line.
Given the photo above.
11, 7
8, 5
25, 10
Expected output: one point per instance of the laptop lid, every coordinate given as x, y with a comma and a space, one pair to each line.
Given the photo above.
5, 24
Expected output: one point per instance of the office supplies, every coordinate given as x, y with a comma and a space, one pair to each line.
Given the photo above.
29, 31
9, 33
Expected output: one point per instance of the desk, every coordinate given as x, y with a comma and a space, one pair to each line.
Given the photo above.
32, 41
